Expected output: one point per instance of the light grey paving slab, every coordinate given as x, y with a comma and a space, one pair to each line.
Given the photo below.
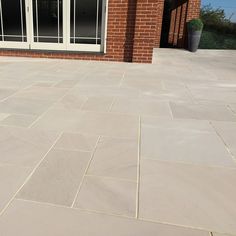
189, 195
18, 120
106, 195
115, 157
57, 179
42, 93
4, 93
142, 107
218, 234
109, 124
227, 131
233, 107
67, 83
24, 147
11, 179
77, 142
101, 80
60, 118
202, 112
38, 219
179, 142
215, 94
95, 123
72, 100
98, 103
18, 105
142, 83
3, 116
14, 84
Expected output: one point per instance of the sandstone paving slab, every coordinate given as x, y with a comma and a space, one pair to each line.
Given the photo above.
17, 120
142, 107
11, 179
57, 179
111, 196
190, 195
76, 142
218, 234
4, 92
95, 123
46, 93
98, 103
18, 105
215, 94
227, 131
202, 112
183, 141
36, 219
115, 157
24, 147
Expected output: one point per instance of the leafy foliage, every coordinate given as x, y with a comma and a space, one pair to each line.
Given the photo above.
219, 32
195, 25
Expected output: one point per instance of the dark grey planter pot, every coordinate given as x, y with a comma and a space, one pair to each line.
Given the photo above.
194, 40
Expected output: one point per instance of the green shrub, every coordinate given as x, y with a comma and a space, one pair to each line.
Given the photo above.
195, 25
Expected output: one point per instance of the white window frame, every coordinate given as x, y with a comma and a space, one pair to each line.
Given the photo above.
66, 45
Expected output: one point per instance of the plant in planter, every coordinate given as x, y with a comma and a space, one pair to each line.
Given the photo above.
195, 27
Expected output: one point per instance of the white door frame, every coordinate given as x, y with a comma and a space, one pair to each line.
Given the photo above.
16, 44
66, 45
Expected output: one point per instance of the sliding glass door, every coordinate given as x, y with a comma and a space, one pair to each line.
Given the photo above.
86, 24
47, 30
13, 29
74, 25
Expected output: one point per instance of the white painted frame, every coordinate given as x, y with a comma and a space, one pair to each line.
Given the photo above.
66, 45
17, 44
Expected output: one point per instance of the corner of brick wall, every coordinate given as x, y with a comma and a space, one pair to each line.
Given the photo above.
145, 30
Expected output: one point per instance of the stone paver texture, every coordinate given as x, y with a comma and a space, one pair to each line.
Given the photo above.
106, 148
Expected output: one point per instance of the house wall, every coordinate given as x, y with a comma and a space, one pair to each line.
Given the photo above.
131, 34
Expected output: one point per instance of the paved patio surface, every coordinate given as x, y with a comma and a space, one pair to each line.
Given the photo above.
101, 149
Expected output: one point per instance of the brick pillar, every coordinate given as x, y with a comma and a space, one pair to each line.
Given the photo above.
145, 30
193, 11
160, 9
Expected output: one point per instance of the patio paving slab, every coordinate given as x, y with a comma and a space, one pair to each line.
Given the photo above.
57, 178
17, 120
18, 105
144, 107
202, 112
115, 157
37, 219
76, 142
227, 131
111, 196
98, 103
4, 93
24, 147
11, 179
183, 141
94, 123
189, 195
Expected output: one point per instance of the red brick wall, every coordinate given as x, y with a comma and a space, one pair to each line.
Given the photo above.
130, 34
160, 8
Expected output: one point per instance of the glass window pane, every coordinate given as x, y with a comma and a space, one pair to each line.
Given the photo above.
13, 20
48, 21
86, 19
